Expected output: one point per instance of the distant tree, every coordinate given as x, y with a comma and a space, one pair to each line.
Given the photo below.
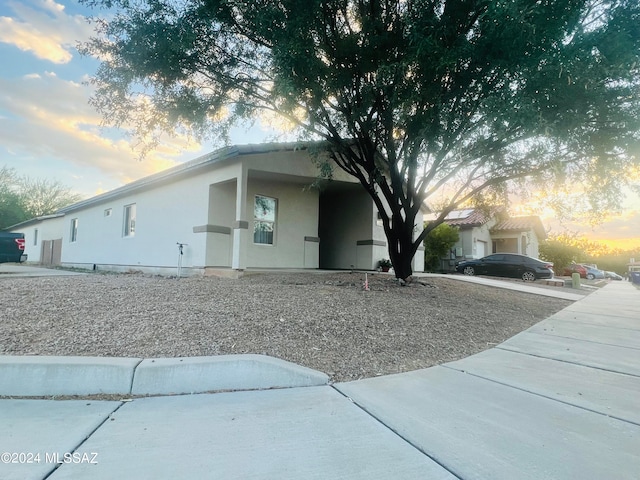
22, 197
562, 249
416, 99
616, 262
11, 207
437, 244
44, 196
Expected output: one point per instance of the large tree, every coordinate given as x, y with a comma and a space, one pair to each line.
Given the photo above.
417, 99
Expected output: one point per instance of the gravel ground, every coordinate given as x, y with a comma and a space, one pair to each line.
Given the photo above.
323, 321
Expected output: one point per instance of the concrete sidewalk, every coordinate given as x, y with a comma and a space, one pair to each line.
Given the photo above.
558, 401
510, 284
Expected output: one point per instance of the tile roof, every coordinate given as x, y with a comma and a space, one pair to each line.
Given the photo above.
520, 224
474, 218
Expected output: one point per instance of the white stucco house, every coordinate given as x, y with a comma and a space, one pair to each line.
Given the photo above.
483, 233
239, 207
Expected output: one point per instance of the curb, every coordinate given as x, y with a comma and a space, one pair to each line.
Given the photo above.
24, 376
31, 376
165, 376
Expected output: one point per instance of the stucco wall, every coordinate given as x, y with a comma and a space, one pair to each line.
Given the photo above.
512, 242
219, 234
170, 212
296, 218
48, 229
163, 217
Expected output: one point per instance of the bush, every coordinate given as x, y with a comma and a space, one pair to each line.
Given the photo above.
437, 245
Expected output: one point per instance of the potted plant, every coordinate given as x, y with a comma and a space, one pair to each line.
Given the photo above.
384, 264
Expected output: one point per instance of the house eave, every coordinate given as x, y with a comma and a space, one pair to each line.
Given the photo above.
33, 221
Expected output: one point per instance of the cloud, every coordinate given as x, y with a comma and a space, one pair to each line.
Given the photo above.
43, 28
49, 117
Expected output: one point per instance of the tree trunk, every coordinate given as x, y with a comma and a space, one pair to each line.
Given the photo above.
402, 266
401, 249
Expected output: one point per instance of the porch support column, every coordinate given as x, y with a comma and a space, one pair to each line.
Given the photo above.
241, 225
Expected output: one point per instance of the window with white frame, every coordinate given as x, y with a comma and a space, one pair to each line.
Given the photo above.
129, 227
264, 220
74, 230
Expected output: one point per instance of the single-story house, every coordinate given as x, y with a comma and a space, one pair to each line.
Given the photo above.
485, 232
240, 207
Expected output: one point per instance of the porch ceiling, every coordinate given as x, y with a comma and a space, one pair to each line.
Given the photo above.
325, 185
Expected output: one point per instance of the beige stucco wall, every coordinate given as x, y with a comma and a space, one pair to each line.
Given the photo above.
296, 218
512, 242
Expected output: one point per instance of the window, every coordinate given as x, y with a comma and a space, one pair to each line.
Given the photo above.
74, 229
129, 228
35, 236
264, 213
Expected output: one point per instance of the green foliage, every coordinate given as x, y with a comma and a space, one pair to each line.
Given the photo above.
410, 96
616, 262
385, 263
22, 198
567, 248
561, 254
11, 208
437, 245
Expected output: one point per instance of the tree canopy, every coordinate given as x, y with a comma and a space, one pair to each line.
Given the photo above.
22, 197
417, 99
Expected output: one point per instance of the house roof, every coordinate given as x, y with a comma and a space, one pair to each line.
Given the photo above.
474, 217
519, 224
467, 218
34, 220
188, 168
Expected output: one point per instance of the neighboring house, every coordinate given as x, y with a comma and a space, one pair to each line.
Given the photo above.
240, 207
483, 233
43, 238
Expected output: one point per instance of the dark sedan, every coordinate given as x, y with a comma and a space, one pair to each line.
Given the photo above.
507, 265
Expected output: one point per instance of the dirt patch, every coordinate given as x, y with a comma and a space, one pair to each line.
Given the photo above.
328, 322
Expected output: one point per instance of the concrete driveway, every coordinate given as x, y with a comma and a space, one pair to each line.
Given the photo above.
13, 270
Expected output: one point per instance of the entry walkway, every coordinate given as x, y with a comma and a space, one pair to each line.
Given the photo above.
558, 401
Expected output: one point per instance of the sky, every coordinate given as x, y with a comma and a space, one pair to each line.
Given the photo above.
49, 130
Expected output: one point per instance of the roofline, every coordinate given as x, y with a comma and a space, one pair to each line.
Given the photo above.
31, 221
186, 168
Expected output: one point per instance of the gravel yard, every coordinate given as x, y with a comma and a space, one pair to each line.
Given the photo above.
323, 321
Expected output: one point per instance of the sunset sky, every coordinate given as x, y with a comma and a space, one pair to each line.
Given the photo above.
48, 129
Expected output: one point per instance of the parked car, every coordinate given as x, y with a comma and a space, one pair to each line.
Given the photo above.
575, 268
12, 247
612, 275
594, 273
507, 265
